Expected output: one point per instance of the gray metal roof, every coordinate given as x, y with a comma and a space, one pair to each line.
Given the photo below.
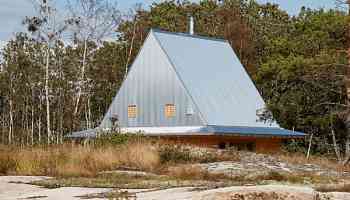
205, 130
215, 79
252, 131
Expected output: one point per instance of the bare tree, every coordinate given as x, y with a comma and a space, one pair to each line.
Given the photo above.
132, 16
46, 28
90, 20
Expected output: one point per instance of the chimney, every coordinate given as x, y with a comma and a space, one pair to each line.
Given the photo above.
191, 26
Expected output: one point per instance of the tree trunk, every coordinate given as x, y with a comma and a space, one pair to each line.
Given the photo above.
81, 79
39, 130
309, 149
130, 50
39, 120
11, 123
47, 95
335, 146
32, 126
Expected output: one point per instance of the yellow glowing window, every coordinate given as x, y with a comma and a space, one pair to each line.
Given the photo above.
132, 111
170, 110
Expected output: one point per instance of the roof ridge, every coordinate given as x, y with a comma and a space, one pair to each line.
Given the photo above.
188, 35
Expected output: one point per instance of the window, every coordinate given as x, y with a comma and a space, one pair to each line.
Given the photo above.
170, 110
132, 111
189, 110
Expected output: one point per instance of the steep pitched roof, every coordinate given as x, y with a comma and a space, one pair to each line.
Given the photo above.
217, 84
215, 79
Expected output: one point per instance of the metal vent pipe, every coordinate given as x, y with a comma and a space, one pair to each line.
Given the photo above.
191, 26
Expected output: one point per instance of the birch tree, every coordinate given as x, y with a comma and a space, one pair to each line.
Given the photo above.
90, 21
46, 28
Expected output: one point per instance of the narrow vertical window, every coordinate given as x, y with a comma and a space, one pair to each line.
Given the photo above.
170, 110
132, 111
189, 110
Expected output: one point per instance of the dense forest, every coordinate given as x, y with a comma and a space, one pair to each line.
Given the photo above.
297, 62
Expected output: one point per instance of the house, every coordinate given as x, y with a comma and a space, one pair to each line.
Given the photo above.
192, 89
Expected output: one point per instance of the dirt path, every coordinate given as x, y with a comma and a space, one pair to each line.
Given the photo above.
15, 188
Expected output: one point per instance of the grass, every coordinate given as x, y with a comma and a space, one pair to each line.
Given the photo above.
114, 194
124, 181
168, 165
68, 160
321, 161
333, 188
78, 161
181, 176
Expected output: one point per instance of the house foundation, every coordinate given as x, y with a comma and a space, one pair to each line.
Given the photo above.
257, 144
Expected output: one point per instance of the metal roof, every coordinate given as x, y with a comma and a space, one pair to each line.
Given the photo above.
252, 131
198, 131
215, 79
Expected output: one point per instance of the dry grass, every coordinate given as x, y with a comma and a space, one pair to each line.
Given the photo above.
70, 160
333, 188
192, 172
141, 155
75, 165
322, 161
75, 160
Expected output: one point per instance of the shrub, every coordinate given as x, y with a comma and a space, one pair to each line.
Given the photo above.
170, 153
107, 139
175, 154
192, 172
333, 188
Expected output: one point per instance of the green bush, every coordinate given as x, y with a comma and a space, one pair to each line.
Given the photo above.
184, 154
117, 138
175, 154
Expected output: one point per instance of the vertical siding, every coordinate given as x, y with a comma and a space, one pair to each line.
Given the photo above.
152, 83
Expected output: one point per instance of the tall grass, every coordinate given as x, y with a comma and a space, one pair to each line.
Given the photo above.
121, 152
76, 160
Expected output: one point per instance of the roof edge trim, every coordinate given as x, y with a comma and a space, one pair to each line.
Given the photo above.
189, 35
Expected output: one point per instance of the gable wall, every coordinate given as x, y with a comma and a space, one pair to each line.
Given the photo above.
152, 83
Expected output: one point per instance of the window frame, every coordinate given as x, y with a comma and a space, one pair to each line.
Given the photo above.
132, 111
170, 110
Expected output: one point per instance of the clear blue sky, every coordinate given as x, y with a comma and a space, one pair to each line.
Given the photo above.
13, 11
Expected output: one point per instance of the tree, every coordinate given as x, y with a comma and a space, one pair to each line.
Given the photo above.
301, 77
347, 83
46, 28
90, 21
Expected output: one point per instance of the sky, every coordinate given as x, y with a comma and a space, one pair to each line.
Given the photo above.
12, 12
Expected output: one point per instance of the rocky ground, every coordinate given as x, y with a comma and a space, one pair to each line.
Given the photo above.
11, 189
248, 165
252, 163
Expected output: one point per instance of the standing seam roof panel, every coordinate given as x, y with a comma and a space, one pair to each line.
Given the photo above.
215, 78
